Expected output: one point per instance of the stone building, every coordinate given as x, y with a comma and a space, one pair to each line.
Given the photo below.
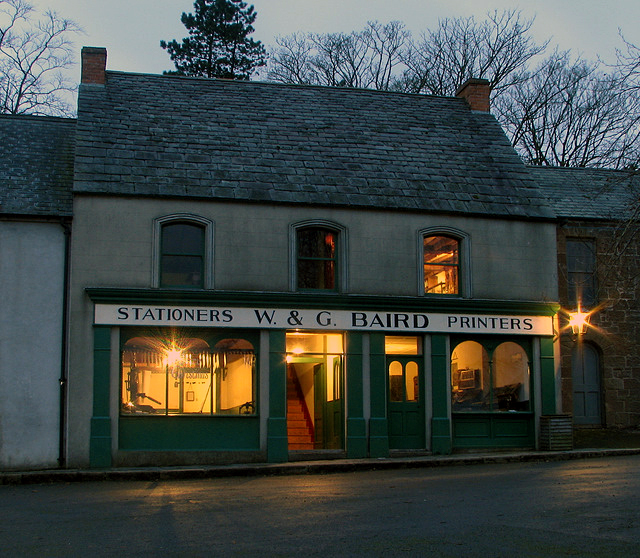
599, 272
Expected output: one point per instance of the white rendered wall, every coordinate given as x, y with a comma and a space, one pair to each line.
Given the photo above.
31, 300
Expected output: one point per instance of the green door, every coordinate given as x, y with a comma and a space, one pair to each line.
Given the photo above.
405, 405
334, 409
328, 410
319, 399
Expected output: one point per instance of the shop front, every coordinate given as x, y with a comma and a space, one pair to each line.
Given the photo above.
213, 383
491, 392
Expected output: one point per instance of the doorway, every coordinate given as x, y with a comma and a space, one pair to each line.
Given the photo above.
587, 394
405, 394
315, 403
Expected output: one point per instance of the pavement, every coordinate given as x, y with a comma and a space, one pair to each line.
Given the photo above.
587, 443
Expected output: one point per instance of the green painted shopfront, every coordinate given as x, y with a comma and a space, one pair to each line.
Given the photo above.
264, 272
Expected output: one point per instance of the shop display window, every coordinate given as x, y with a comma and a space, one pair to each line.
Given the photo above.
184, 375
496, 380
441, 265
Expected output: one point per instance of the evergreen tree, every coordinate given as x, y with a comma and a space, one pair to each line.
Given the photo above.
218, 44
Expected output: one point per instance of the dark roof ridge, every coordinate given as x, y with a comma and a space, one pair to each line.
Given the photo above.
286, 85
558, 168
40, 117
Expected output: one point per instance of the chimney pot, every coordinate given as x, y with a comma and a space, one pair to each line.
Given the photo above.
94, 64
476, 92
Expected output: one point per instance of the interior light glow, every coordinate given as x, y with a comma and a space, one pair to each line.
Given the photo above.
440, 257
173, 357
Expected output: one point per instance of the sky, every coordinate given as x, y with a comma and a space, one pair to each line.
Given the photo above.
131, 30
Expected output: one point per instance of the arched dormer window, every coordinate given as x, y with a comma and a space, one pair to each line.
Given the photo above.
318, 256
183, 252
444, 257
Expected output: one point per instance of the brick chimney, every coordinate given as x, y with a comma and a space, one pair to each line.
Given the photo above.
476, 92
94, 64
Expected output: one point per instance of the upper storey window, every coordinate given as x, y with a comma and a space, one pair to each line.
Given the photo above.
182, 255
441, 265
182, 252
581, 272
317, 259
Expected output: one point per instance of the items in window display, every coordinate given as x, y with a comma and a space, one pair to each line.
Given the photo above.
132, 386
187, 377
479, 383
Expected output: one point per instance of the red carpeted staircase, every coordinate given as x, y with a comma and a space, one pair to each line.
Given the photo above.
299, 425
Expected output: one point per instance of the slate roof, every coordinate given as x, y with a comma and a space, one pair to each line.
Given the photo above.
587, 193
36, 165
218, 139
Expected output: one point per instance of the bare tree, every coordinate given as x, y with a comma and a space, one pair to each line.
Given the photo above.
571, 114
370, 58
628, 67
496, 49
385, 57
33, 55
628, 63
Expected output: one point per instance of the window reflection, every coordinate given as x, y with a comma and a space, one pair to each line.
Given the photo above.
395, 382
182, 257
411, 381
581, 273
317, 248
511, 377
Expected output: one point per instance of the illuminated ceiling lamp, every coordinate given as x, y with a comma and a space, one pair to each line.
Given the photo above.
173, 357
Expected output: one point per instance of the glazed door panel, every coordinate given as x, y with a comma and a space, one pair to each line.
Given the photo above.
405, 405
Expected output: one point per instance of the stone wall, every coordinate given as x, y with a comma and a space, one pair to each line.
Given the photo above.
616, 319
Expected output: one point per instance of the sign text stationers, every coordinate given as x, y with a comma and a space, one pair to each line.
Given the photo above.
272, 318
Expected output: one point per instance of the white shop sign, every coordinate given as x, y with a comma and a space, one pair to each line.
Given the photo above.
271, 318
